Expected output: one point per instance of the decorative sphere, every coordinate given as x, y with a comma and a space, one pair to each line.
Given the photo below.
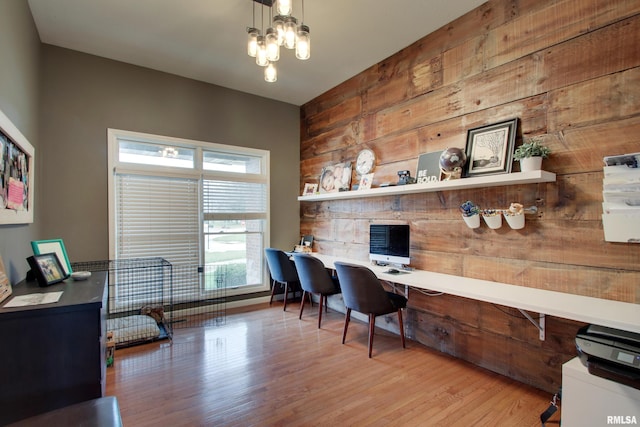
452, 159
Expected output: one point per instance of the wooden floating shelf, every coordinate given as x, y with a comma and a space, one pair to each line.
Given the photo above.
516, 178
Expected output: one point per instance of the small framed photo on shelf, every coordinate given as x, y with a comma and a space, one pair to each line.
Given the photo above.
335, 178
490, 149
56, 246
309, 189
47, 269
365, 181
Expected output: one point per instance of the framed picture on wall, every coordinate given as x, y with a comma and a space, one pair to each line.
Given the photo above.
490, 148
16, 175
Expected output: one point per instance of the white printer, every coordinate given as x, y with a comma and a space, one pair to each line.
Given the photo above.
610, 353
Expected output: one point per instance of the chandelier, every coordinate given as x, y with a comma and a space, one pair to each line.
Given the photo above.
283, 30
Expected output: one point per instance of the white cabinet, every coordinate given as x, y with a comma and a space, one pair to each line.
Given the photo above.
589, 400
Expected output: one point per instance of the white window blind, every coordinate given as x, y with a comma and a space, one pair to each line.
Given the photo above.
157, 217
234, 200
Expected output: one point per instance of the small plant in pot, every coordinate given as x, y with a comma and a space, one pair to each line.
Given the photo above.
470, 214
530, 154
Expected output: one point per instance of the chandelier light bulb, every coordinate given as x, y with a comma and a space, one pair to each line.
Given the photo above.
278, 24
303, 43
252, 41
273, 48
261, 53
283, 7
270, 73
290, 30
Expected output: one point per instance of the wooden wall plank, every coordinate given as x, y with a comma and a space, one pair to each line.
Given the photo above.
596, 101
554, 23
346, 111
570, 70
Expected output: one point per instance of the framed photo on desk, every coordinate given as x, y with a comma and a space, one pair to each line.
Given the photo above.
47, 269
56, 246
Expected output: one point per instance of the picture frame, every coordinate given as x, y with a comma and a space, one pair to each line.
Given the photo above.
428, 169
47, 269
334, 178
309, 189
489, 149
56, 246
17, 165
5, 285
365, 181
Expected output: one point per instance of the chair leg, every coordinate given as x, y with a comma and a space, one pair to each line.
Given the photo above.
401, 328
372, 327
347, 317
286, 295
304, 293
273, 290
320, 310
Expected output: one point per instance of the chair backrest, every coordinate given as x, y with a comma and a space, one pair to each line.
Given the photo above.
314, 276
362, 291
281, 267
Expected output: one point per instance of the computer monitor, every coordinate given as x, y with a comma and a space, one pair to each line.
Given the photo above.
389, 243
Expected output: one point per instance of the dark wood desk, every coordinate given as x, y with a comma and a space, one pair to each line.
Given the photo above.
53, 355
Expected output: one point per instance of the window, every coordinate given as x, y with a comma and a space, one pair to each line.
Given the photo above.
202, 206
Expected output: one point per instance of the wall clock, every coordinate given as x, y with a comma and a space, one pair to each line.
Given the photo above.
365, 161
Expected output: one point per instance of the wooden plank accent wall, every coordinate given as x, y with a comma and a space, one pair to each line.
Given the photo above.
570, 70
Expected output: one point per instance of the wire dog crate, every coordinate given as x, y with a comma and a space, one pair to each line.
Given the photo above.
150, 297
199, 295
140, 302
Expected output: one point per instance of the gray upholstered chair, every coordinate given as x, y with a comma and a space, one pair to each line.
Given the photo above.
283, 272
315, 279
363, 292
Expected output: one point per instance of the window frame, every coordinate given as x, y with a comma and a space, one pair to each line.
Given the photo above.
199, 173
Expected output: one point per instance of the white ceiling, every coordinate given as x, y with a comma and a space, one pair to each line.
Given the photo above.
206, 39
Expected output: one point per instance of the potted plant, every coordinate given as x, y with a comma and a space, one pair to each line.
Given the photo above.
530, 154
515, 216
470, 214
493, 218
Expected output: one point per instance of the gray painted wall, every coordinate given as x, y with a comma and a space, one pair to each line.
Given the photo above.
83, 95
19, 95
64, 101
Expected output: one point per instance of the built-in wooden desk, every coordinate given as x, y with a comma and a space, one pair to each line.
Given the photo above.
614, 314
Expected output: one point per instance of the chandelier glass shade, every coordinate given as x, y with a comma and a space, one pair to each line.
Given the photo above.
283, 30
252, 41
270, 73
261, 52
284, 7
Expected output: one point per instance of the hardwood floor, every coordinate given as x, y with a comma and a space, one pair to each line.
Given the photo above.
265, 367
